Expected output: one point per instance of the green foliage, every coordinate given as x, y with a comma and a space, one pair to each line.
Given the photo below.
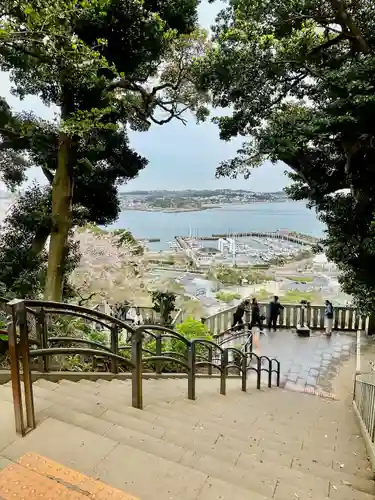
300, 79
300, 279
94, 61
227, 296
191, 329
295, 297
125, 238
235, 276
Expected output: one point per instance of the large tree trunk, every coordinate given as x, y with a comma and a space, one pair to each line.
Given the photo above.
62, 193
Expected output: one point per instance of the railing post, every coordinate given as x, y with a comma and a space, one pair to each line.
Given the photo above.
114, 347
259, 372
20, 352
269, 373
42, 336
158, 364
210, 361
137, 397
15, 369
223, 374
244, 371
191, 374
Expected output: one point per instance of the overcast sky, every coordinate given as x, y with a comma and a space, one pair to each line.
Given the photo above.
180, 157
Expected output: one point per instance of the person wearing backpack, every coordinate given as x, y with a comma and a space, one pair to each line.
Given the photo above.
329, 318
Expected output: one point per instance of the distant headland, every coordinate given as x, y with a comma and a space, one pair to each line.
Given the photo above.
194, 200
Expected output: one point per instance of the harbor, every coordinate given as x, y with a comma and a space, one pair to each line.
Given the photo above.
243, 249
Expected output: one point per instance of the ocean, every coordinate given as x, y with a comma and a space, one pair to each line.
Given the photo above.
290, 215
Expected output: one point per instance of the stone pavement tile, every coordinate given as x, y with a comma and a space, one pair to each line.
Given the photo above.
344, 492
7, 432
356, 465
83, 420
224, 452
214, 489
70, 445
360, 483
169, 451
287, 491
259, 479
149, 477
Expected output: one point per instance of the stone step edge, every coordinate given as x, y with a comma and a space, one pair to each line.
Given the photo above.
205, 454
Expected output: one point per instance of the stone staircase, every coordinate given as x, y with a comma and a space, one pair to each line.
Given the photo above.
259, 445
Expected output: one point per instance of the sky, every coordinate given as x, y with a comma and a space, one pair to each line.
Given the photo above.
180, 157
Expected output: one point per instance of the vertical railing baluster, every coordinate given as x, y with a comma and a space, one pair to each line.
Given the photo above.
114, 347
308, 315
287, 316
244, 370
315, 317
158, 350
295, 316
321, 317
223, 372
137, 396
191, 373
15, 367
259, 372
210, 361
42, 336
26, 369
350, 319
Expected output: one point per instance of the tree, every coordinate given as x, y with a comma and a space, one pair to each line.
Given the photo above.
94, 60
164, 303
300, 79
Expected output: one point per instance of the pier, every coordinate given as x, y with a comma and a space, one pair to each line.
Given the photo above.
257, 234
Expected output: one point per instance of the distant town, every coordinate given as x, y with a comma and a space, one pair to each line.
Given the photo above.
191, 200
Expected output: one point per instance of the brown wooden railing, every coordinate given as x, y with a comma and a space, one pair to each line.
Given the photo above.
345, 318
29, 325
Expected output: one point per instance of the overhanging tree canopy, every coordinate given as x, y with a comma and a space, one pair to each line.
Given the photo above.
106, 64
300, 79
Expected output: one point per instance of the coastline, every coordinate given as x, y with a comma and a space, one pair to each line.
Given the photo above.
197, 209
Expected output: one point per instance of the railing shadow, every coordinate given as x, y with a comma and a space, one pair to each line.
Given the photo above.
150, 346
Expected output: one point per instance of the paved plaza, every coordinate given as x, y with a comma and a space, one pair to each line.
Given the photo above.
308, 363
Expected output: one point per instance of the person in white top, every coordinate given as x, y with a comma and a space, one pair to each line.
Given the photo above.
138, 319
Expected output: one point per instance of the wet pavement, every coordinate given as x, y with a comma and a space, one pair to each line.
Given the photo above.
308, 363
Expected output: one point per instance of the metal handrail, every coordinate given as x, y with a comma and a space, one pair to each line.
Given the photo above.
21, 354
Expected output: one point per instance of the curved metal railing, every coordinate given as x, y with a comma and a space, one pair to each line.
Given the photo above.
150, 346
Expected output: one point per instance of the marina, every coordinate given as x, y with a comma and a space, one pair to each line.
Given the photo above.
243, 249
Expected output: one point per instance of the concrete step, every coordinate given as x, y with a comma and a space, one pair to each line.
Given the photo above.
181, 433
178, 439
245, 436
248, 441
265, 465
124, 467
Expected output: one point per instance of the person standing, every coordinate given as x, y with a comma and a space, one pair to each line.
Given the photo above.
274, 312
256, 320
329, 317
239, 313
138, 319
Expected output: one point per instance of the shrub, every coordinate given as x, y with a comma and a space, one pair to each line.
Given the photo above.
227, 296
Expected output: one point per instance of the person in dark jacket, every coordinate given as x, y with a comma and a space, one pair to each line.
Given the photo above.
256, 319
275, 308
240, 311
